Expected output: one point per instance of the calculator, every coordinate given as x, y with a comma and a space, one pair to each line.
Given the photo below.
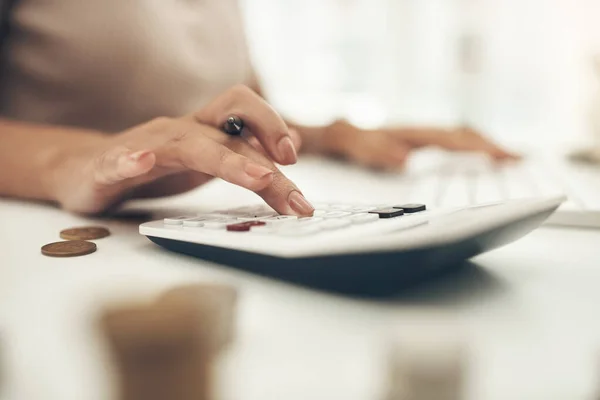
359, 248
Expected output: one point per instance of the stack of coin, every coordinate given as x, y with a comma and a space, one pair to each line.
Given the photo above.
76, 242
165, 350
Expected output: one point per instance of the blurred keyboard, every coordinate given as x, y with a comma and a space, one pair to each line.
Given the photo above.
458, 180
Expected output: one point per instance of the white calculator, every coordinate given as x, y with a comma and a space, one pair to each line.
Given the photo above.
350, 246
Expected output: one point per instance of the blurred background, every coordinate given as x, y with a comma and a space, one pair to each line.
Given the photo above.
521, 70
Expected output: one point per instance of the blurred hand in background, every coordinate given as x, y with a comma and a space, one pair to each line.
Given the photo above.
390, 148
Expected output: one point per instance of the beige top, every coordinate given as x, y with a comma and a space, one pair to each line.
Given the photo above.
111, 64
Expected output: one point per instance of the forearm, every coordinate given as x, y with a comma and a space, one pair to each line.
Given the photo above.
31, 155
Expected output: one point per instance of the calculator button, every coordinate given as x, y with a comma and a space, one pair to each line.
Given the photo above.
195, 222
264, 228
280, 219
388, 212
219, 223
177, 220
336, 214
412, 208
309, 220
244, 226
335, 223
364, 209
256, 217
237, 212
264, 214
340, 207
216, 216
363, 218
258, 214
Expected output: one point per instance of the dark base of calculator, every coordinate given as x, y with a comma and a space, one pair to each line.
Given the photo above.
368, 274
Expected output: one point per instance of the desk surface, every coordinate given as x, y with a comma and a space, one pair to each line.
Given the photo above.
529, 307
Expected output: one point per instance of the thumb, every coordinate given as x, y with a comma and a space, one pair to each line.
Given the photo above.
119, 164
296, 139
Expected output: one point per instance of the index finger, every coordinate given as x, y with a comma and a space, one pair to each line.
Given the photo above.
281, 193
258, 116
205, 149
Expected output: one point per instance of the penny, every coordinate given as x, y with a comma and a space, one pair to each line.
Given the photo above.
84, 233
70, 248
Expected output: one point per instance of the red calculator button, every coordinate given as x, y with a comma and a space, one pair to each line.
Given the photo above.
244, 226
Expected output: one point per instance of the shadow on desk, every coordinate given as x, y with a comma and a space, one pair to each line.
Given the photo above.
401, 276
460, 284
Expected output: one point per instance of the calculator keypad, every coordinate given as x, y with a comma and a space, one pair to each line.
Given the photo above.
263, 220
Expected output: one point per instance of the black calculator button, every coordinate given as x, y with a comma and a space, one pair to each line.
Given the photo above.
412, 208
388, 212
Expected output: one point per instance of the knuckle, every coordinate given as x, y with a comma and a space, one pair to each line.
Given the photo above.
159, 124
237, 145
226, 157
240, 96
100, 161
101, 165
281, 183
164, 127
171, 130
108, 156
241, 90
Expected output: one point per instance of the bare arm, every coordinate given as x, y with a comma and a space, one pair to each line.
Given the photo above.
30, 156
90, 172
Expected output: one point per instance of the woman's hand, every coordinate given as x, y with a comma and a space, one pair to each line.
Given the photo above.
390, 148
172, 155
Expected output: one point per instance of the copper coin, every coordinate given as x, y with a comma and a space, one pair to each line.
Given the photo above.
84, 233
70, 248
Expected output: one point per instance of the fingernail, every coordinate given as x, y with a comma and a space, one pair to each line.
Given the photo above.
257, 171
286, 151
137, 156
299, 204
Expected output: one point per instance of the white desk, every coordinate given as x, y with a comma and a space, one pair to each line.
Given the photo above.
531, 308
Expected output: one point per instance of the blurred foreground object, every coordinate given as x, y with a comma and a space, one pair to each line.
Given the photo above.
587, 156
591, 155
595, 111
2, 367
217, 300
166, 350
427, 362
